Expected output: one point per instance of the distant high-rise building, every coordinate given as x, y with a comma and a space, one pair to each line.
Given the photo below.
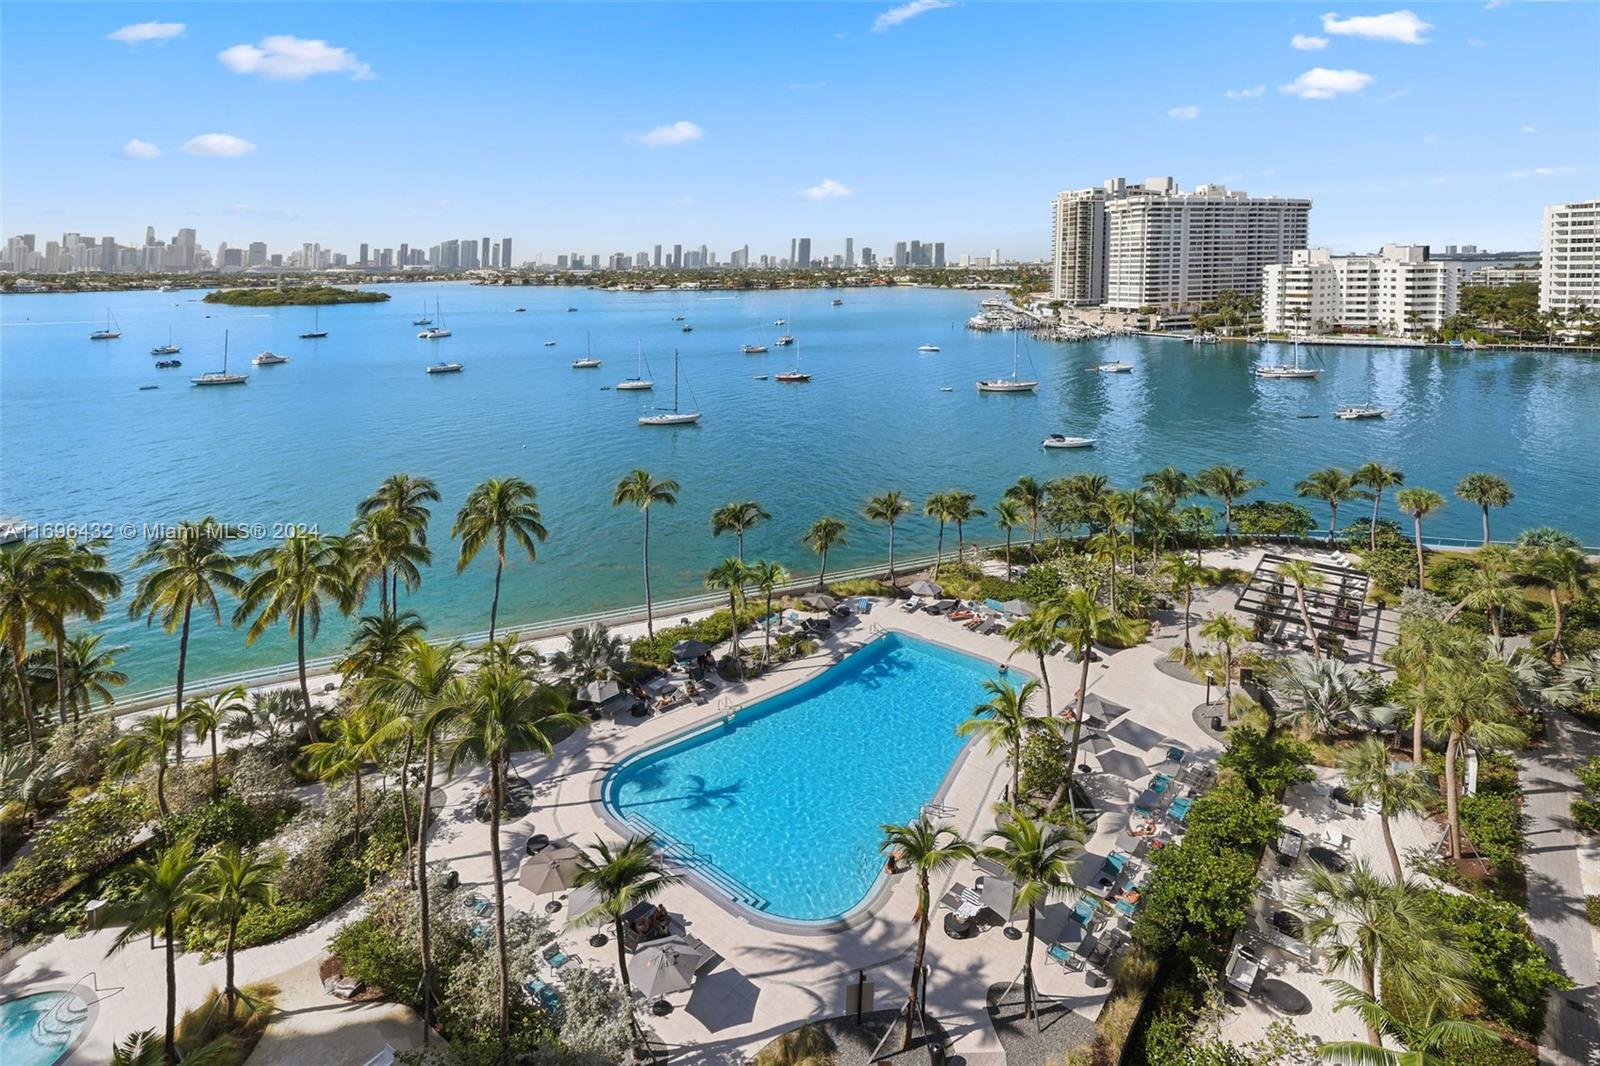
1399, 290
866, 256
803, 253
594, 262
506, 262
561, 262
405, 254
677, 257
916, 253
938, 254
483, 256
849, 251
899, 253
258, 254
149, 235
469, 254
1569, 266
363, 261
655, 260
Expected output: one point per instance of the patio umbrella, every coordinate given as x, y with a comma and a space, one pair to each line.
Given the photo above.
924, 588
599, 691
820, 600
1095, 743
1121, 764
554, 869
1020, 608
661, 969
689, 649
1135, 735
1098, 706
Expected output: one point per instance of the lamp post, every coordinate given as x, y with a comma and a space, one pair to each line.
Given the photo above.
1210, 677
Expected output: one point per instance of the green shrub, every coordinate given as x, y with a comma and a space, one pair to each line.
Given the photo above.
1273, 518
1591, 909
1586, 815
1509, 970
229, 819
89, 836
713, 629
1391, 567
1493, 823
1230, 813
1266, 764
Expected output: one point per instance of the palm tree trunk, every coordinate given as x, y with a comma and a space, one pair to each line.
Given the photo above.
1388, 843
1044, 679
357, 777
494, 604
1372, 530
891, 553
305, 687
405, 806
1333, 520
766, 627
1452, 813
1305, 618
733, 614
17, 650
822, 577
1422, 575
228, 988
1077, 731
422, 879
649, 616
1485, 525
741, 545
1016, 770
1027, 969
1416, 721
183, 661
61, 679
1556, 655
938, 552
1227, 520
161, 783
216, 788
1494, 621
383, 590
916, 967
1369, 985
499, 906
1188, 604
169, 1045
1008, 553
961, 543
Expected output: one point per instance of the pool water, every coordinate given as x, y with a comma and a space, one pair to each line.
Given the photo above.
785, 803
37, 1029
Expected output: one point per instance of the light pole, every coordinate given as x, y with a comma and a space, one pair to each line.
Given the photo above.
1210, 677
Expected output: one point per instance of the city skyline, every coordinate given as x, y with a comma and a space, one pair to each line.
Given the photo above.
276, 123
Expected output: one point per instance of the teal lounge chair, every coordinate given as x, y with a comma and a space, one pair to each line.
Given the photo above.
547, 997
1180, 808
1085, 911
1065, 956
1161, 783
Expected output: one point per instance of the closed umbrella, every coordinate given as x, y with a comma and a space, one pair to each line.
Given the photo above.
1020, 608
924, 588
820, 600
685, 650
661, 969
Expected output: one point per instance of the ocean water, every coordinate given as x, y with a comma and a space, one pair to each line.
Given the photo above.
303, 442
789, 797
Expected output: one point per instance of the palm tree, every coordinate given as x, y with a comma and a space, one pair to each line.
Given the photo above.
1199, 523
1375, 477
1030, 494
207, 715
1485, 490
1419, 503
938, 506
592, 653
1037, 858
1423, 642
736, 518
888, 508
730, 576
352, 738
495, 711
27, 604
1083, 624
1490, 587
1424, 1038
1228, 484
384, 545
1004, 723
621, 878
228, 881
1008, 515
1038, 634
290, 582
825, 533
641, 490
163, 894
1323, 696
188, 567
1170, 485
1304, 576
406, 496
1184, 575
1370, 777
929, 848
767, 577
1227, 633
1368, 924
1468, 700
379, 639
1564, 571
1331, 485
498, 510
80, 584
91, 672
962, 511
146, 741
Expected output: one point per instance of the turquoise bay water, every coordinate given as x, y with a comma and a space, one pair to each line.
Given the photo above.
787, 800
305, 441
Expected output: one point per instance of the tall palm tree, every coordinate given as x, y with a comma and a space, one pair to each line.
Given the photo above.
1083, 624
497, 511
1424, 1033
207, 716
1030, 494
188, 567
1184, 576
736, 518
1228, 484
593, 653
497, 710
228, 881
938, 507
406, 496
1491, 587
351, 741
1468, 700
1370, 777
767, 578
1485, 490
1008, 515
1170, 485
81, 584
1333, 486
1200, 524
1419, 503
1038, 634
383, 545
290, 582
378, 640
1037, 858
91, 672
163, 894
1004, 723
1565, 573
962, 511
1303, 576
1227, 633
642, 491
1375, 477
888, 508
1423, 642
731, 576
621, 878
146, 741
928, 848
825, 534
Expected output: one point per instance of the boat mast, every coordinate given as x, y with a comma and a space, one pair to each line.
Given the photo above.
674, 381
224, 351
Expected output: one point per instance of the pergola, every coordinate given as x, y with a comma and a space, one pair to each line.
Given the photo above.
1334, 606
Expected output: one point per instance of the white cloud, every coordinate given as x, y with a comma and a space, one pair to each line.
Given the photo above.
1186, 113
218, 144
1320, 83
683, 202
806, 86
905, 12
826, 189
1492, 4
284, 57
139, 32
1246, 94
1543, 172
679, 132
1402, 26
137, 149
1307, 43
1475, 42
1530, 129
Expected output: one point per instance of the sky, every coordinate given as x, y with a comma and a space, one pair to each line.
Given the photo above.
610, 127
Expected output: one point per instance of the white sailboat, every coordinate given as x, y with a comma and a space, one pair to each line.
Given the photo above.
588, 362
168, 348
787, 338
221, 377
433, 333
424, 320
1014, 383
677, 416
1284, 371
111, 332
639, 382
795, 376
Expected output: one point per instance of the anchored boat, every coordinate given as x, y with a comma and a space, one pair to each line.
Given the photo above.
677, 416
221, 377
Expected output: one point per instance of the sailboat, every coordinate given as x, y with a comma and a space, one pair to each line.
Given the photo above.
795, 376
433, 333
221, 377
637, 383
110, 333
424, 320
588, 362
787, 339
754, 348
676, 416
168, 348
316, 326
1012, 383
1283, 371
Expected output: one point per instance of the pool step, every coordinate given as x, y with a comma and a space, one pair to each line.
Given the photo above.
687, 857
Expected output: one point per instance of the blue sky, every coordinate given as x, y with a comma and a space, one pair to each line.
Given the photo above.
610, 127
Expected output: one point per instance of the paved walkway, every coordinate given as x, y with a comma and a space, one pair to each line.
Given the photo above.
1555, 887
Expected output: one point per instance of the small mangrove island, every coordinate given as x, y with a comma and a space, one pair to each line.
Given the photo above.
293, 296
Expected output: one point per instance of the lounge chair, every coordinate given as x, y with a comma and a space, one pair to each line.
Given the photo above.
543, 994
1065, 956
1085, 911
1180, 808
1114, 863
913, 604
557, 958
1160, 784
343, 987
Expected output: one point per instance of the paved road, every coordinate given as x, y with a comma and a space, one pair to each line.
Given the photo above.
1555, 888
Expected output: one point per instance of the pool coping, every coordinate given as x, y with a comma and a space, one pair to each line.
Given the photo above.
867, 908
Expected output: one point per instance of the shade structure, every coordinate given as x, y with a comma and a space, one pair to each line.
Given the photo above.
1097, 706
1020, 608
599, 691
552, 870
1123, 765
661, 969
924, 588
689, 649
820, 600
1135, 735
1095, 743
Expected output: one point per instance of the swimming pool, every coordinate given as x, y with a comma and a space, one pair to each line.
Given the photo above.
37, 1029
782, 804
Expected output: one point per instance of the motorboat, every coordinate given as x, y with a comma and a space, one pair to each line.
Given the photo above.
168, 364
1114, 368
753, 349
445, 368
927, 347
761, 377
677, 416
1356, 413
549, 344
784, 341
221, 377
269, 359
1287, 372
1012, 383
838, 302
110, 333
780, 322
570, 309
640, 382
1207, 337
148, 388
316, 331
1057, 440
688, 328
677, 318
519, 310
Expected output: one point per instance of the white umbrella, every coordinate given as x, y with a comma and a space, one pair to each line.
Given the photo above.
550, 871
924, 588
599, 691
1020, 608
820, 600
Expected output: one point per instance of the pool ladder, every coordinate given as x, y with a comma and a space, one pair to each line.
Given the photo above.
937, 810
686, 856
